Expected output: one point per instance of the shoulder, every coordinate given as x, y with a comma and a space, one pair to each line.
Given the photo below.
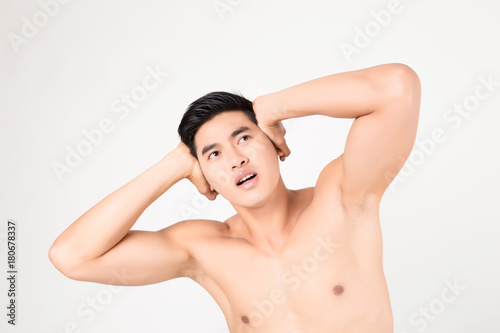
187, 238
193, 230
196, 225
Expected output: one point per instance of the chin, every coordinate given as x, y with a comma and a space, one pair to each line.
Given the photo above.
251, 203
246, 199
254, 198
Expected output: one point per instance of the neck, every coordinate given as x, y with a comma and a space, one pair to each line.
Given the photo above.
267, 225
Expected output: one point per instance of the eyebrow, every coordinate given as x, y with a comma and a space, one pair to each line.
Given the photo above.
235, 133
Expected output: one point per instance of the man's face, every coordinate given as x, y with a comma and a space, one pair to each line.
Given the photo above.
231, 144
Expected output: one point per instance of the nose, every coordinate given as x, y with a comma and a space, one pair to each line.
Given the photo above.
238, 160
238, 164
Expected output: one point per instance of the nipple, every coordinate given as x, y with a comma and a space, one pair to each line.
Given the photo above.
338, 290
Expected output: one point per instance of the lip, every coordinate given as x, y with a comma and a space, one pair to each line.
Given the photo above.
249, 184
242, 174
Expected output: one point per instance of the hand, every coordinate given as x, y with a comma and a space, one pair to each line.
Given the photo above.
193, 172
269, 123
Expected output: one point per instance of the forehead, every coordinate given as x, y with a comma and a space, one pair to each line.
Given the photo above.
220, 127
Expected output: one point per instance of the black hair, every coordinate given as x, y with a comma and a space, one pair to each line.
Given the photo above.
207, 107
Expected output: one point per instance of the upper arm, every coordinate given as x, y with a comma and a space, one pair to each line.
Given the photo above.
378, 143
142, 257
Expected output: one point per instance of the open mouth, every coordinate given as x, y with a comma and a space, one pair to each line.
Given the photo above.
246, 178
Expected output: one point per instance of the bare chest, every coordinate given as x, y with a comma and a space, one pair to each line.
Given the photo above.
314, 283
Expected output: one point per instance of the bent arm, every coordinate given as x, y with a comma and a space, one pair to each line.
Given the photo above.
100, 247
385, 102
343, 95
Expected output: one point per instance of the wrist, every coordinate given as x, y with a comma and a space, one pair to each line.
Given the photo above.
185, 162
270, 107
175, 164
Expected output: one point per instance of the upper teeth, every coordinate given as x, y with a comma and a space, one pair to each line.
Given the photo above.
245, 178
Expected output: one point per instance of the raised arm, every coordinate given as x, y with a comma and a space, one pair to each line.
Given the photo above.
100, 247
385, 102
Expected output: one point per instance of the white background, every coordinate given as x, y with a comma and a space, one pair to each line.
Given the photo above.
440, 220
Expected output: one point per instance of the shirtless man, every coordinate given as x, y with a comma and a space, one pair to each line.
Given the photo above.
307, 260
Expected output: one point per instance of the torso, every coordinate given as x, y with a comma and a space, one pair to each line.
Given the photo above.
327, 278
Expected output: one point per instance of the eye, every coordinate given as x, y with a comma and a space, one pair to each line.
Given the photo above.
245, 136
215, 152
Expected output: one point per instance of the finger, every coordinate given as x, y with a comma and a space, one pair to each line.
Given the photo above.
281, 155
283, 148
212, 195
286, 150
209, 191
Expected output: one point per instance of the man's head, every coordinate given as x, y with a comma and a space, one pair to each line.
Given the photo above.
207, 107
221, 131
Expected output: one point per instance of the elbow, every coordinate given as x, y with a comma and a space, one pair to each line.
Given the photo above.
55, 257
402, 86
61, 261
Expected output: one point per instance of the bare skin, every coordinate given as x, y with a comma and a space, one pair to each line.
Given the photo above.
307, 260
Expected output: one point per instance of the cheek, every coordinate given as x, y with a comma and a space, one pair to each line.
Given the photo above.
262, 149
217, 177
270, 153
266, 157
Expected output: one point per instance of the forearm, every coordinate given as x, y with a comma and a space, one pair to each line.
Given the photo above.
343, 95
105, 224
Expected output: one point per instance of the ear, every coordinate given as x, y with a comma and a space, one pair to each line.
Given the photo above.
211, 188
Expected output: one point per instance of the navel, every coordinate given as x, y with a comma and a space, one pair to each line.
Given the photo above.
245, 319
338, 290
